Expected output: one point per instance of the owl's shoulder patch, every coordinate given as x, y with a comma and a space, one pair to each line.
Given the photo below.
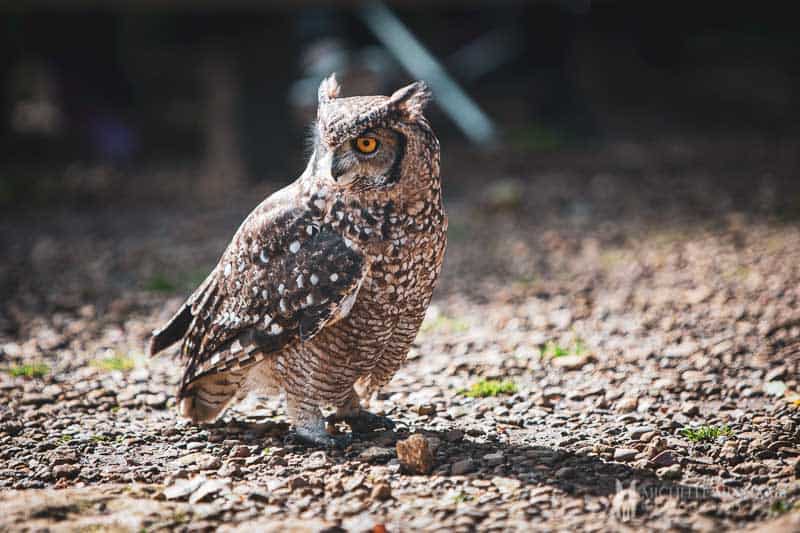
282, 279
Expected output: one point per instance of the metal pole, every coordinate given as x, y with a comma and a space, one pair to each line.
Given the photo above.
461, 109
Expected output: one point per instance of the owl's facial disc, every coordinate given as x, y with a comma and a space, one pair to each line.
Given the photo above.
367, 161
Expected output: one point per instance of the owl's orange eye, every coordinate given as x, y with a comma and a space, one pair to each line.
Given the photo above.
366, 145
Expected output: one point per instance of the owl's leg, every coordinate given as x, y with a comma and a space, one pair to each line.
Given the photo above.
359, 419
309, 424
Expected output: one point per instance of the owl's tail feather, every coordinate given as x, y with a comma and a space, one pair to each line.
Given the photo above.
204, 399
172, 332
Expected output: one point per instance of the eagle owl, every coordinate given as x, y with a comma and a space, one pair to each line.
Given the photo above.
325, 284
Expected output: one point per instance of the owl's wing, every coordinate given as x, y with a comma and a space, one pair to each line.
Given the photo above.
282, 279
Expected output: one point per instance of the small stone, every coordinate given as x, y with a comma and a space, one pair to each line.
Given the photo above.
377, 454
775, 374
195, 458
494, 459
506, 484
353, 483
670, 472
63, 458
656, 445
625, 454
381, 492
67, 471
415, 454
229, 469
209, 463
464, 466
183, 488
745, 468
665, 458
627, 405
647, 437
208, 490
690, 409
316, 460
156, 401
775, 388
426, 409
297, 482
571, 362
636, 432
240, 451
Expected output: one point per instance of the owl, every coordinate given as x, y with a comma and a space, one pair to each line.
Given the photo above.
323, 288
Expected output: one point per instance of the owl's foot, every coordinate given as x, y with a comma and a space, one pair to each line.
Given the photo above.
363, 421
317, 437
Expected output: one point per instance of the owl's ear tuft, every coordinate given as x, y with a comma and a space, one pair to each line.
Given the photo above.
412, 99
328, 89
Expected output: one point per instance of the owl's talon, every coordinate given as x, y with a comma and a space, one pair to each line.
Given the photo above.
319, 438
364, 422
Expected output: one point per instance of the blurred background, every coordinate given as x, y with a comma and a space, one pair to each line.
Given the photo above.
108, 100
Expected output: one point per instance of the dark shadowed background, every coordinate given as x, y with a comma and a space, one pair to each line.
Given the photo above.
95, 100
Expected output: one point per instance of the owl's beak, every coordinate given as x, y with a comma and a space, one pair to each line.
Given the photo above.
338, 168
335, 165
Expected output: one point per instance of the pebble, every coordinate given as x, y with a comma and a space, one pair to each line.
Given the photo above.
355, 482
426, 409
377, 454
415, 454
746, 468
381, 491
210, 462
627, 405
66, 471
297, 482
625, 454
690, 409
229, 469
665, 458
183, 488
464, 466
506, 484
208, 489
63, 457
636, 432
494, 459
316, 460
240, 451
571, 362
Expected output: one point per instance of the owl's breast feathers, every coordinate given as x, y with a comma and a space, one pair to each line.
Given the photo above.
285, 275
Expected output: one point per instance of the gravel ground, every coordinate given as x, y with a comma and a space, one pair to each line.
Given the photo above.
639, 302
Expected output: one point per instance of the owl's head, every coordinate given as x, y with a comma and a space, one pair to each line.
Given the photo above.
366, 143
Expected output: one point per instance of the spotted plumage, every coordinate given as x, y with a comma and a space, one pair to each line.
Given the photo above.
324, 286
